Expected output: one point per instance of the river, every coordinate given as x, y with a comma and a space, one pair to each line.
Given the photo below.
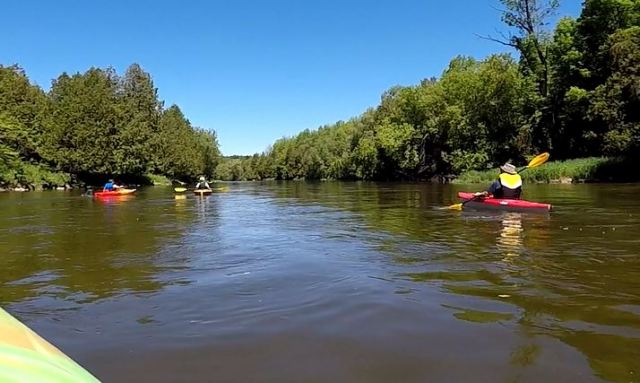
329, 282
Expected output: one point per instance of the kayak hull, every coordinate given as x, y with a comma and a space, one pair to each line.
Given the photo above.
202, 192
114, 193
26, 357
517, 205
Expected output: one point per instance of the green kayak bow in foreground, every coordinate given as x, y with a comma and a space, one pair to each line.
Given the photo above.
26, 357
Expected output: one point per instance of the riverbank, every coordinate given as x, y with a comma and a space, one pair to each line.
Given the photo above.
25, 176
36, 177
580, 170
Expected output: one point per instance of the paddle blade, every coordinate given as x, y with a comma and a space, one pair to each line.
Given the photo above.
180, 190
457, 206
538, 160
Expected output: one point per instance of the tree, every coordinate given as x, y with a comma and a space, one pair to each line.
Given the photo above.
10, 133
83, 136
139, 114
617, 102
598, 20
530, 18
95, 124
208, 147
24, 104
175, 146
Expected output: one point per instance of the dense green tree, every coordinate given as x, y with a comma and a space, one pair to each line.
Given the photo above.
207, 142
10, 133
139, 110
85, 122
572, 135
616, 103
598, 20
572, 91
23, 104
232, 170
93, 125
176, 147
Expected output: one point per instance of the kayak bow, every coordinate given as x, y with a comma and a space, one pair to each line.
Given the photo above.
26, 357
502, 204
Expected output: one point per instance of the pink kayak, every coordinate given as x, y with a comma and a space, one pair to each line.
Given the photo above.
502, 204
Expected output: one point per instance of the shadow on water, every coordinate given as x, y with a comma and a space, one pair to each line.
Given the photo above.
79, 249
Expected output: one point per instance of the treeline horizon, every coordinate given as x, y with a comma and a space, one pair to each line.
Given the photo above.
573, 90
94, 125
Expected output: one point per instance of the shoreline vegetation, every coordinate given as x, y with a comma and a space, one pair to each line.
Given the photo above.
572, 89
581, 170
93, 126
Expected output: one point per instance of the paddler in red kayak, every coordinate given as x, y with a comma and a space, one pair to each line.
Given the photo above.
507, 186
111, 186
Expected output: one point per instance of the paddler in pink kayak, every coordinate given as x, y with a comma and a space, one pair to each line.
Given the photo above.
507, 186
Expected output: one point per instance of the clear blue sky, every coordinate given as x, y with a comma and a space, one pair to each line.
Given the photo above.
254, 70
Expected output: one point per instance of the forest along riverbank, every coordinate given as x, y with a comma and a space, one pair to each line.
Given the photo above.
332, 281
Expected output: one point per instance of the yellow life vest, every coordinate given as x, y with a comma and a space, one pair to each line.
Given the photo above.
511, 181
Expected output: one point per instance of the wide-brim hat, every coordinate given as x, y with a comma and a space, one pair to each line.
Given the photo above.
508, 168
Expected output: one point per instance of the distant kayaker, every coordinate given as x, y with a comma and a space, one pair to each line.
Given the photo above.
202, 184
110, 186
507, 186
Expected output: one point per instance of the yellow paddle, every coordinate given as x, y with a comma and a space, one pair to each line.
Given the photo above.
219, 189
536, 161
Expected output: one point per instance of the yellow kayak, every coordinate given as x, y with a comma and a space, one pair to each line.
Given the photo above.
26, 357
180, 190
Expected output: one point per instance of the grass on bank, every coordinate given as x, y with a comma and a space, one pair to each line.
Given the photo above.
38, 177
157, 179
591, 169
33, 176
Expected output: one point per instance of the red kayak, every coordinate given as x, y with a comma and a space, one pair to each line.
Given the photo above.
114, 193
502, 204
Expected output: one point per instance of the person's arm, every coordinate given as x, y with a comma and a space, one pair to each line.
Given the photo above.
494, 187
207, 185
490, 191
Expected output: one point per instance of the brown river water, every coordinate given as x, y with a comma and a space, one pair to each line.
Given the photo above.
330, 282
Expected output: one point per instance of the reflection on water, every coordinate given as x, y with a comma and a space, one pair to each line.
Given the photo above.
329, 282
510, 241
